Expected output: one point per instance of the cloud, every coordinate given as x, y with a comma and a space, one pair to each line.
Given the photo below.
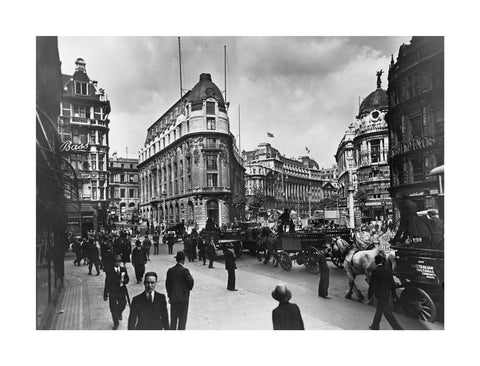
305, 90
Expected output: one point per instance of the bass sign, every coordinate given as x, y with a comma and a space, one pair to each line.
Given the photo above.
68, 146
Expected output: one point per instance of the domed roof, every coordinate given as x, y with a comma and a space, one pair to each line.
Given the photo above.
204, 89
375, 100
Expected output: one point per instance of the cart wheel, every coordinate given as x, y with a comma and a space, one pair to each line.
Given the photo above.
311, 256
337, 259
418, 304
285, 260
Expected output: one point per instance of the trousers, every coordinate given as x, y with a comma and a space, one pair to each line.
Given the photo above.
231, 279
139, 271
384, 307
178, 315
117, 306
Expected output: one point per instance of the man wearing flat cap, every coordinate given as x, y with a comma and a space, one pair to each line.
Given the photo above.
116, 291
286, 316
179, 283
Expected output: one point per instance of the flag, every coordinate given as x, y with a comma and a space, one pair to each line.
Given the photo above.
270, 134
308, 151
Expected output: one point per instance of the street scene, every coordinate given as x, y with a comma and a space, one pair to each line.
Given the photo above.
219, 183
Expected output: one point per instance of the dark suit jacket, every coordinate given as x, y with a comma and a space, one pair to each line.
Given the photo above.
381, 282
179, 282
112, 283
230, 260
148, 316
139, 256
286, 316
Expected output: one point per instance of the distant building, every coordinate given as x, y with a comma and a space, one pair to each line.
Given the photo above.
362, 158
297, 184
124, 187
416, 120
83, 128
189, 167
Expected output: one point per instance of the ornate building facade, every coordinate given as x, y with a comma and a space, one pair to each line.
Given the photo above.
124, 186
189, 167
83, 127
285, 182
362, 158
416, 120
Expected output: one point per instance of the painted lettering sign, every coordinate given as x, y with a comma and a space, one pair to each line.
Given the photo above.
69, 146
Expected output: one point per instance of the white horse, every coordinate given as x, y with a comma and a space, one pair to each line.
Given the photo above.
360, 259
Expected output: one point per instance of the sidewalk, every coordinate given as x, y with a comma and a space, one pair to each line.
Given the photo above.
211, 307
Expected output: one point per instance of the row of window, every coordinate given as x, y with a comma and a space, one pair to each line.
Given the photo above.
81, 161
120, 193
124, 178
82, 111
80, 136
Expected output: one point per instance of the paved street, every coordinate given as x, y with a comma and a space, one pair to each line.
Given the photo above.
212, 307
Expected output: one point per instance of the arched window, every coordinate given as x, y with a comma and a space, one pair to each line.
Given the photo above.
212, 210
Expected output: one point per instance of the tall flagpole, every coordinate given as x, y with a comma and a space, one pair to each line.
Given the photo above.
180, 62
239, 141
225, 70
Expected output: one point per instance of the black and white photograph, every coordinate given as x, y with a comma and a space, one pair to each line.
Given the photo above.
308, 171
232, 170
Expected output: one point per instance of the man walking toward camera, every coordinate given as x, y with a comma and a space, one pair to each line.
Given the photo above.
179, 283
116, 291
149, 309
230, 266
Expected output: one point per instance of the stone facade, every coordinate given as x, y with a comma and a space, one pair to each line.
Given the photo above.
297, 184
416, 120
124, 186
84, 127
189, 166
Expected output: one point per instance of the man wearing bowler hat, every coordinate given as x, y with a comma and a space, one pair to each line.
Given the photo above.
179, 283
116, 291
286, 316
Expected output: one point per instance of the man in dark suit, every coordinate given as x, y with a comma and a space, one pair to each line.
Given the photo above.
116, 291
149, 309
381, 283
179, 283
230, 266
139, 258
286, 316
93, 257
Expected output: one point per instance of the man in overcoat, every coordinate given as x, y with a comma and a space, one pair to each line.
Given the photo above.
286, 316
381, 283
230, 266
149, 309
139, 259
179, 283
116, 291
323, 283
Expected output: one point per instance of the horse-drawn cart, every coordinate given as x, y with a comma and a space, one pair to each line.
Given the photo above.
303, 248
421, 275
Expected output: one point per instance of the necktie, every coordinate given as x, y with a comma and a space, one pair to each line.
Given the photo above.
150, 298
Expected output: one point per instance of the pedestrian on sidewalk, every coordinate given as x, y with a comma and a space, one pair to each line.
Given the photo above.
202, 255
286, 316
323, 283
382, 284
84, 244
77, 249
93, 257
187, 247
194, 236
170, 242
139, 259
211, 252
108, 257
230, 266
147, 244
149, 309
156, 244
179, 283
116, 291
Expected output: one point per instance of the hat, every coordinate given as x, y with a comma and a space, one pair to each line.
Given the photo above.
281, 293
180, 256
379, 259
117, 258
432, 211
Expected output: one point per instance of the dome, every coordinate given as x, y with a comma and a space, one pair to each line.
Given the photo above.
375, 100
204, 89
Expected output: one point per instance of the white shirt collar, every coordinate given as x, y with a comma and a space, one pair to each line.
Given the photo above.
153, 295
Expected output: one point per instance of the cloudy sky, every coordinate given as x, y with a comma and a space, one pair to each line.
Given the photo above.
304, 90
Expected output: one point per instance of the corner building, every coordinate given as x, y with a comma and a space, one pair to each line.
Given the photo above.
83, 127
416, 121
189, 167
